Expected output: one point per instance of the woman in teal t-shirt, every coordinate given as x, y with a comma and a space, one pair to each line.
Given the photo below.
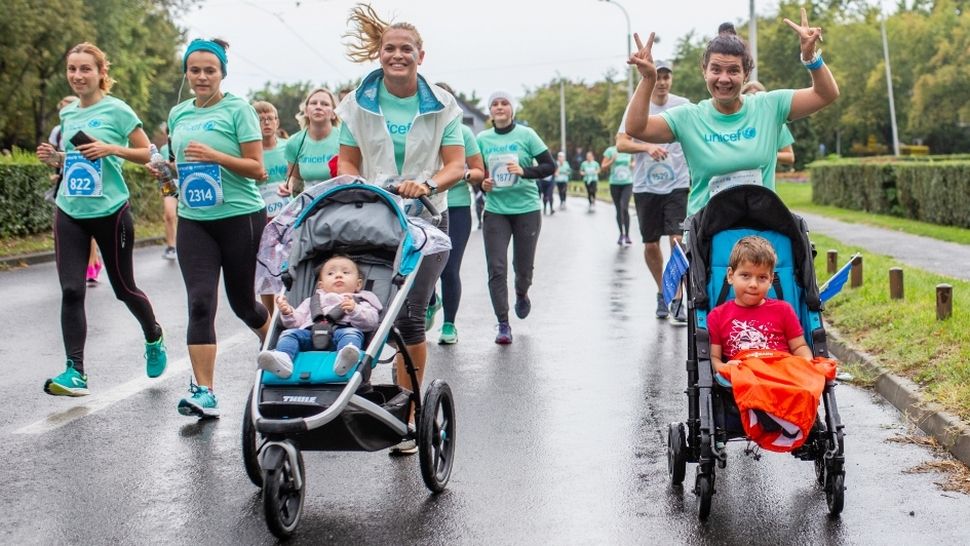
563, 172
591, 175
621, 189
99, 133
512, 210
786, 154
730, 139
269, 285
311, 152
219, 157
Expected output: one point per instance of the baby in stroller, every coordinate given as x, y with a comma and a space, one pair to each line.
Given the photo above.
335, 317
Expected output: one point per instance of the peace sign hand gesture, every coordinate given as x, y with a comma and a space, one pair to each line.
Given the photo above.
643, 58
807, 35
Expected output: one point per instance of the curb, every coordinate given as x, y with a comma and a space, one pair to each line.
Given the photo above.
34, 258
947, 429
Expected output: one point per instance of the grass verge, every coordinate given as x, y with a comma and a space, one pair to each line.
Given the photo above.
44, 242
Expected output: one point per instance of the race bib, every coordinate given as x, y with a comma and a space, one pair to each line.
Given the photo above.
730, 180
201, 184
622, 173
274, 201
498, 167
82, 178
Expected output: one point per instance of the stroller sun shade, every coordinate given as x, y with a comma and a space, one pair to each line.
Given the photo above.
755, 207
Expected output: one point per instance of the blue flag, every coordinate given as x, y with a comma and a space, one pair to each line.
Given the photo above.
674, 272
834, 285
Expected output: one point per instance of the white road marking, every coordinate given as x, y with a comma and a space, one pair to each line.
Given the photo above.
95, 403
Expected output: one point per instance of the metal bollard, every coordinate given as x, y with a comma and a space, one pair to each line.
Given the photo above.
855, 279
944, 301
833, 261
896, 283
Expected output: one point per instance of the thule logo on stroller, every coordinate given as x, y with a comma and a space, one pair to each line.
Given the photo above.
309, 399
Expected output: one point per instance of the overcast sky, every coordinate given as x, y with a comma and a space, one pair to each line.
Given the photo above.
514, 45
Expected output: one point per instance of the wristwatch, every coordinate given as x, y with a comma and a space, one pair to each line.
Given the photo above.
432, 185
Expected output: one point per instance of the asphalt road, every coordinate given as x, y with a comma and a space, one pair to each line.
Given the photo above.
561, 435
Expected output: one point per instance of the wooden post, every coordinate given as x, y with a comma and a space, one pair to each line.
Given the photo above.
855, 279
833, 261
944, 301
896, 283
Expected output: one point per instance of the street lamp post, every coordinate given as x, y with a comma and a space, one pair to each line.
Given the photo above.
629, 52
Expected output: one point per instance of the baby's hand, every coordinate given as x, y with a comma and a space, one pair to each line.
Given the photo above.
348, 305
733, 362
283, 305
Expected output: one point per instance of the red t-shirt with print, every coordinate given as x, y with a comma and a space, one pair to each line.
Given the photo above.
767, 326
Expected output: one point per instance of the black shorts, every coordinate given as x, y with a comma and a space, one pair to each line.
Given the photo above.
661, 214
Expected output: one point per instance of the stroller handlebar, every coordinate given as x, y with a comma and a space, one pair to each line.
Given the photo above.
432, 210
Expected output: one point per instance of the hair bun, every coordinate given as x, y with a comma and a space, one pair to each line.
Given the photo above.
727, 28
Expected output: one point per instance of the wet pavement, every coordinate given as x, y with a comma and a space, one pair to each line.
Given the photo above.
560, 435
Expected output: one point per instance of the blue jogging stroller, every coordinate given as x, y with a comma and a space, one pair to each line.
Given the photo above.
713, 418
317, 410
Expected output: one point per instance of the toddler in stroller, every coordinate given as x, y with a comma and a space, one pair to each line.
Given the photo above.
336, 317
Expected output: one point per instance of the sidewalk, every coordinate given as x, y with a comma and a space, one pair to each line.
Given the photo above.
945, 258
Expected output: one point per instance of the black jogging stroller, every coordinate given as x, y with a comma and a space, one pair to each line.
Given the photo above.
317, 410
713, 417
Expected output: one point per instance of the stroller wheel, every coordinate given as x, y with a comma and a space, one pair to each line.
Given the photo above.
282, 502
251, 443
835, 493
436, 436
705, 493
676, 453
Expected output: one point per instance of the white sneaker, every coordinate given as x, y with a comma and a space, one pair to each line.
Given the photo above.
347, 358
276, 362
407, 447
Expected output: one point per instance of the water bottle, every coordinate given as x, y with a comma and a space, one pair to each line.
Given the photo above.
167, 183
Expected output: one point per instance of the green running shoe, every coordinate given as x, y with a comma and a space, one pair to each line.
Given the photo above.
431, 312
449, 334
156, 358
202, 403
70, 383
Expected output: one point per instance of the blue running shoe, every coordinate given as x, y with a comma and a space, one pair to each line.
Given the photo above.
522, 306
156, 358
69, 383
202, 403
504, 336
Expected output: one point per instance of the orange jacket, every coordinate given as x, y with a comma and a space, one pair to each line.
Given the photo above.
778, 395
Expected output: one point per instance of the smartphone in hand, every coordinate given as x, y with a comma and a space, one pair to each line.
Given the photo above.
81, 138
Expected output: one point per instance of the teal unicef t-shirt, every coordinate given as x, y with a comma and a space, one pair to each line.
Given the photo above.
92, 189
460, 194
314, 155
724, 150
621, 170
590, 170
274, 161
224, 126
563, 172
786, 138
399, 114
523, 194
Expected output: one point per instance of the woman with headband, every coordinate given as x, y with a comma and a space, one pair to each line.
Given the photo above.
397, 125
219, 157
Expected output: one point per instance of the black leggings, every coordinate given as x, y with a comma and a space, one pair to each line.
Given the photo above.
523, 232
115, 235
546, 188
204, 248
562, 187
459, 229
591, 192
621, 194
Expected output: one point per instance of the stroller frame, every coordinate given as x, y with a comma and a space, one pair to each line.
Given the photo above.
703, 438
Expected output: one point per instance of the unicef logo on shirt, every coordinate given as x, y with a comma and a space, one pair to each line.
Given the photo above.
209, 125
94, 123
748, 133
513, 147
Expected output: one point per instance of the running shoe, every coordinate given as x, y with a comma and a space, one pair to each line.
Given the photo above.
678, 310
522, 306
504, 336
169, 253
406, 447
449, 334
662, 307
156, 357
619, 241
627, 241
562, 206
94, 271
277, 363
431, 312
202, 403
69, 383
347, 358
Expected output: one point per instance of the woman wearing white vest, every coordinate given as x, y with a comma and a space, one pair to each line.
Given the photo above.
396, 125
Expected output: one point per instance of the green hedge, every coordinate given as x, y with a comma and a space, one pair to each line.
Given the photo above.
23, 210
935, 189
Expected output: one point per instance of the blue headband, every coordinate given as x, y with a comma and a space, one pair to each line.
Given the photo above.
206, 45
